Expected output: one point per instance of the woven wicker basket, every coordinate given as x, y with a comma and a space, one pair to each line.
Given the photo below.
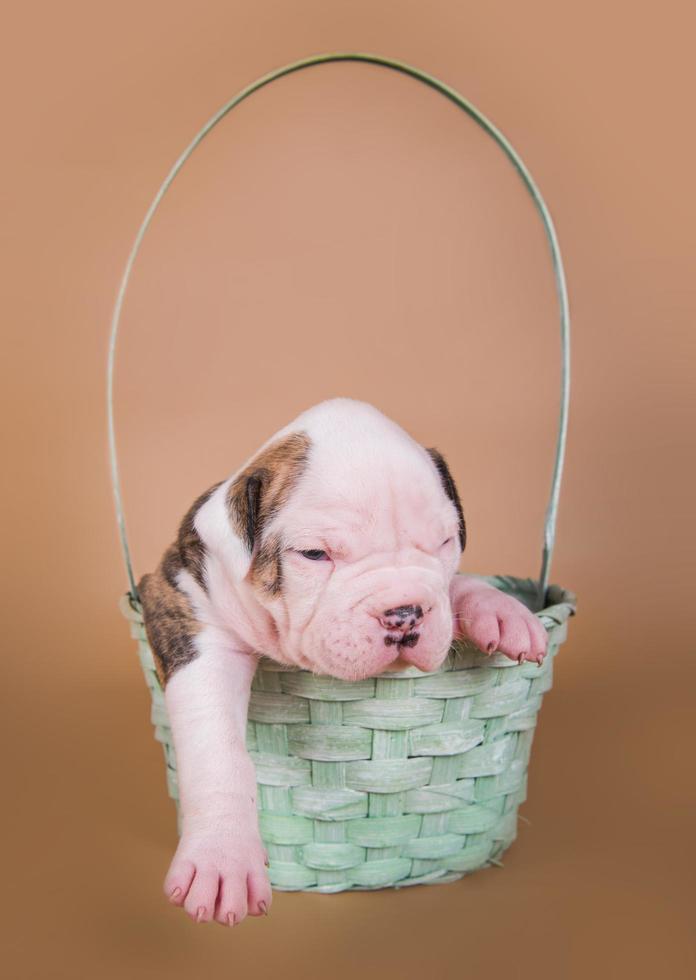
399, 780
404, 779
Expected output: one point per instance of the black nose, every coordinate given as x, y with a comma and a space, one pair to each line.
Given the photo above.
401, 617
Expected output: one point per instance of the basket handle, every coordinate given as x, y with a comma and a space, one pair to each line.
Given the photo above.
561, 290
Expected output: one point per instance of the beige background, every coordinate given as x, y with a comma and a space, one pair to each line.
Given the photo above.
348, 231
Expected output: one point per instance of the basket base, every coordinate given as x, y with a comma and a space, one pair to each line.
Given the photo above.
432, 879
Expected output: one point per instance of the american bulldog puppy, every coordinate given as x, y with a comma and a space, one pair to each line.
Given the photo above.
334, 548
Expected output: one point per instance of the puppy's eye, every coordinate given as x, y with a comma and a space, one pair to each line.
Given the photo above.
445, 542
314, 554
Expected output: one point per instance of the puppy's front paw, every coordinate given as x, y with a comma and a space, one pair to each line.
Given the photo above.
219, 874
494, 621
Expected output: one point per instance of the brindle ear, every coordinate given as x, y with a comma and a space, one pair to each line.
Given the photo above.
252, 510
450, 488
258, 491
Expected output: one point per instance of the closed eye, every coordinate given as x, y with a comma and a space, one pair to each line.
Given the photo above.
446, 542
315, 554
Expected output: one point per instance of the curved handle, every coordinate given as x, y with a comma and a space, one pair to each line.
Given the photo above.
450, 93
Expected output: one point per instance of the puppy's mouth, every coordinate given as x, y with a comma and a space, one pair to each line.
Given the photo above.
401, 639
406, 657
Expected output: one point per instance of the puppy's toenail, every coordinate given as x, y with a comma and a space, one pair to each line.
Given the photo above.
174, 895
490, 648
262, 906
231, 919
200, 913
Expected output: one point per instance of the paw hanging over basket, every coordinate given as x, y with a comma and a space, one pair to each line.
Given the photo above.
407, 778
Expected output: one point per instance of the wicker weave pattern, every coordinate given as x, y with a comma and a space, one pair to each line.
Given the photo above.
399, 780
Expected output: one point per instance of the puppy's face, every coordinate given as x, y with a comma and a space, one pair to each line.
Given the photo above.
353, 542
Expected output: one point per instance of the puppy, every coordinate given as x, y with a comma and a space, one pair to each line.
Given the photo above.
334, 548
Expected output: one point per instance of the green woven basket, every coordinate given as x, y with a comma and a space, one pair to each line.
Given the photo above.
399, 780
408, 778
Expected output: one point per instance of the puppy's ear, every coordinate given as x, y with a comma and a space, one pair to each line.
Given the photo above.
247, 506
259, 491
450, 488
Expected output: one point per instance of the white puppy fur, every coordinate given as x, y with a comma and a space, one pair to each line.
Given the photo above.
333, 548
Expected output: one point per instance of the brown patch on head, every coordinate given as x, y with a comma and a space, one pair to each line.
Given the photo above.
266, 568
258, 493
450, 489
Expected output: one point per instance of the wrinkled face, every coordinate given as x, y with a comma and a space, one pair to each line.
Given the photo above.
355, 557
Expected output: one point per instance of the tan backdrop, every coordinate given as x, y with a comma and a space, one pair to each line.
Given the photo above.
348, 231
